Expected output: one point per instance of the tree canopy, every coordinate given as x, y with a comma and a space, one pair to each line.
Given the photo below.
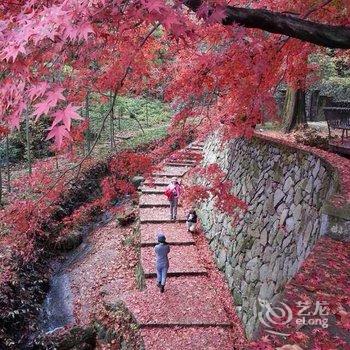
52, 53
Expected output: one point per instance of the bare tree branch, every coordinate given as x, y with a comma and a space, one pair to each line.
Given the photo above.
320, 34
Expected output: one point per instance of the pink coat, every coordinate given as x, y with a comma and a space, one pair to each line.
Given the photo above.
175, 187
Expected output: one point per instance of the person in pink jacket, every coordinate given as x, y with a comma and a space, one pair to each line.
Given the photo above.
173, 192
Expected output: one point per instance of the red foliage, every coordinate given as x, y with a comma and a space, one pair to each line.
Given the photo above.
3, 131
34, 199
214, 75
214, 183
127, 164
324, 278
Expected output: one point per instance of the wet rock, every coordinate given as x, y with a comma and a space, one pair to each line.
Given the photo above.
70, 241
77, 339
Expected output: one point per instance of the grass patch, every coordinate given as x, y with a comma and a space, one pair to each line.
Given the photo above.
143, 138
131, 114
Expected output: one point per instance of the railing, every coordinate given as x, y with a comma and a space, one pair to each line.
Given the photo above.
338, 118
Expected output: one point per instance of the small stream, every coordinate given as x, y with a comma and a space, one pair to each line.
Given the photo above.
57, 310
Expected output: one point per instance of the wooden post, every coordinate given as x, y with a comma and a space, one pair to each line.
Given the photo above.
313, 109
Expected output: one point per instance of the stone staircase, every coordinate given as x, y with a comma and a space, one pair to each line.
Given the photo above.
189, 315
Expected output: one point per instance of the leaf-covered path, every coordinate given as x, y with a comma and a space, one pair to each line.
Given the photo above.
195, 312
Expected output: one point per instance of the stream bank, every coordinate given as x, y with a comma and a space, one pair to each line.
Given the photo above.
82, 309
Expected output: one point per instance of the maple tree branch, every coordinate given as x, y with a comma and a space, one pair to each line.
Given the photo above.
119, 84
315, 8
317, 33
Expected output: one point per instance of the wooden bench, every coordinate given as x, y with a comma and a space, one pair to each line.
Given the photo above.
338, 118
343, 104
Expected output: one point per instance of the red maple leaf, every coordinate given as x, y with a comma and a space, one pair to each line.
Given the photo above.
38, 90
65, 116
59, 132
55, 95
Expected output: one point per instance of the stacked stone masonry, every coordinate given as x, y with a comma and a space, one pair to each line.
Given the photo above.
285, 191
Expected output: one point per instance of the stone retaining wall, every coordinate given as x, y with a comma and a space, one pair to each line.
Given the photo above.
285, 191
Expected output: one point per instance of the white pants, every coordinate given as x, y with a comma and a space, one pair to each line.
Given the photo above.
191, 226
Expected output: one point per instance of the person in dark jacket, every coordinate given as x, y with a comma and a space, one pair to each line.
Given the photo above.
162, 250
191, 221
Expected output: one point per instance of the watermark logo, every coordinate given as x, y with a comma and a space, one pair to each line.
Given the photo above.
276, 317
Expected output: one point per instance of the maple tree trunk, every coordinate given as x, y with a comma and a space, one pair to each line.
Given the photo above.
294, 112
8, 164
286, 24
87, 116
111, 124
0, 182
29, 158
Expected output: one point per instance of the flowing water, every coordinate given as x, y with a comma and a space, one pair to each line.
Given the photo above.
57, 310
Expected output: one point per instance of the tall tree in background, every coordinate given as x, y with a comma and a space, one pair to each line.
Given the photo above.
294, 109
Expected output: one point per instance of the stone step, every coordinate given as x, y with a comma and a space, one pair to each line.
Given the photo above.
199, 143
182, 158
195, 148
154, 200
188, 338
187, 301
169, 175
188, 157
176, 234
183, 260
170, 171
180, 164
153, 189
159, 215
157, 181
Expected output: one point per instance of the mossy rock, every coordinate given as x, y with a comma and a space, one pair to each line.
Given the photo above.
277, 172
126, 218
137, 181
237, 298
248, 243
342, 212
78, 339
69, 241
